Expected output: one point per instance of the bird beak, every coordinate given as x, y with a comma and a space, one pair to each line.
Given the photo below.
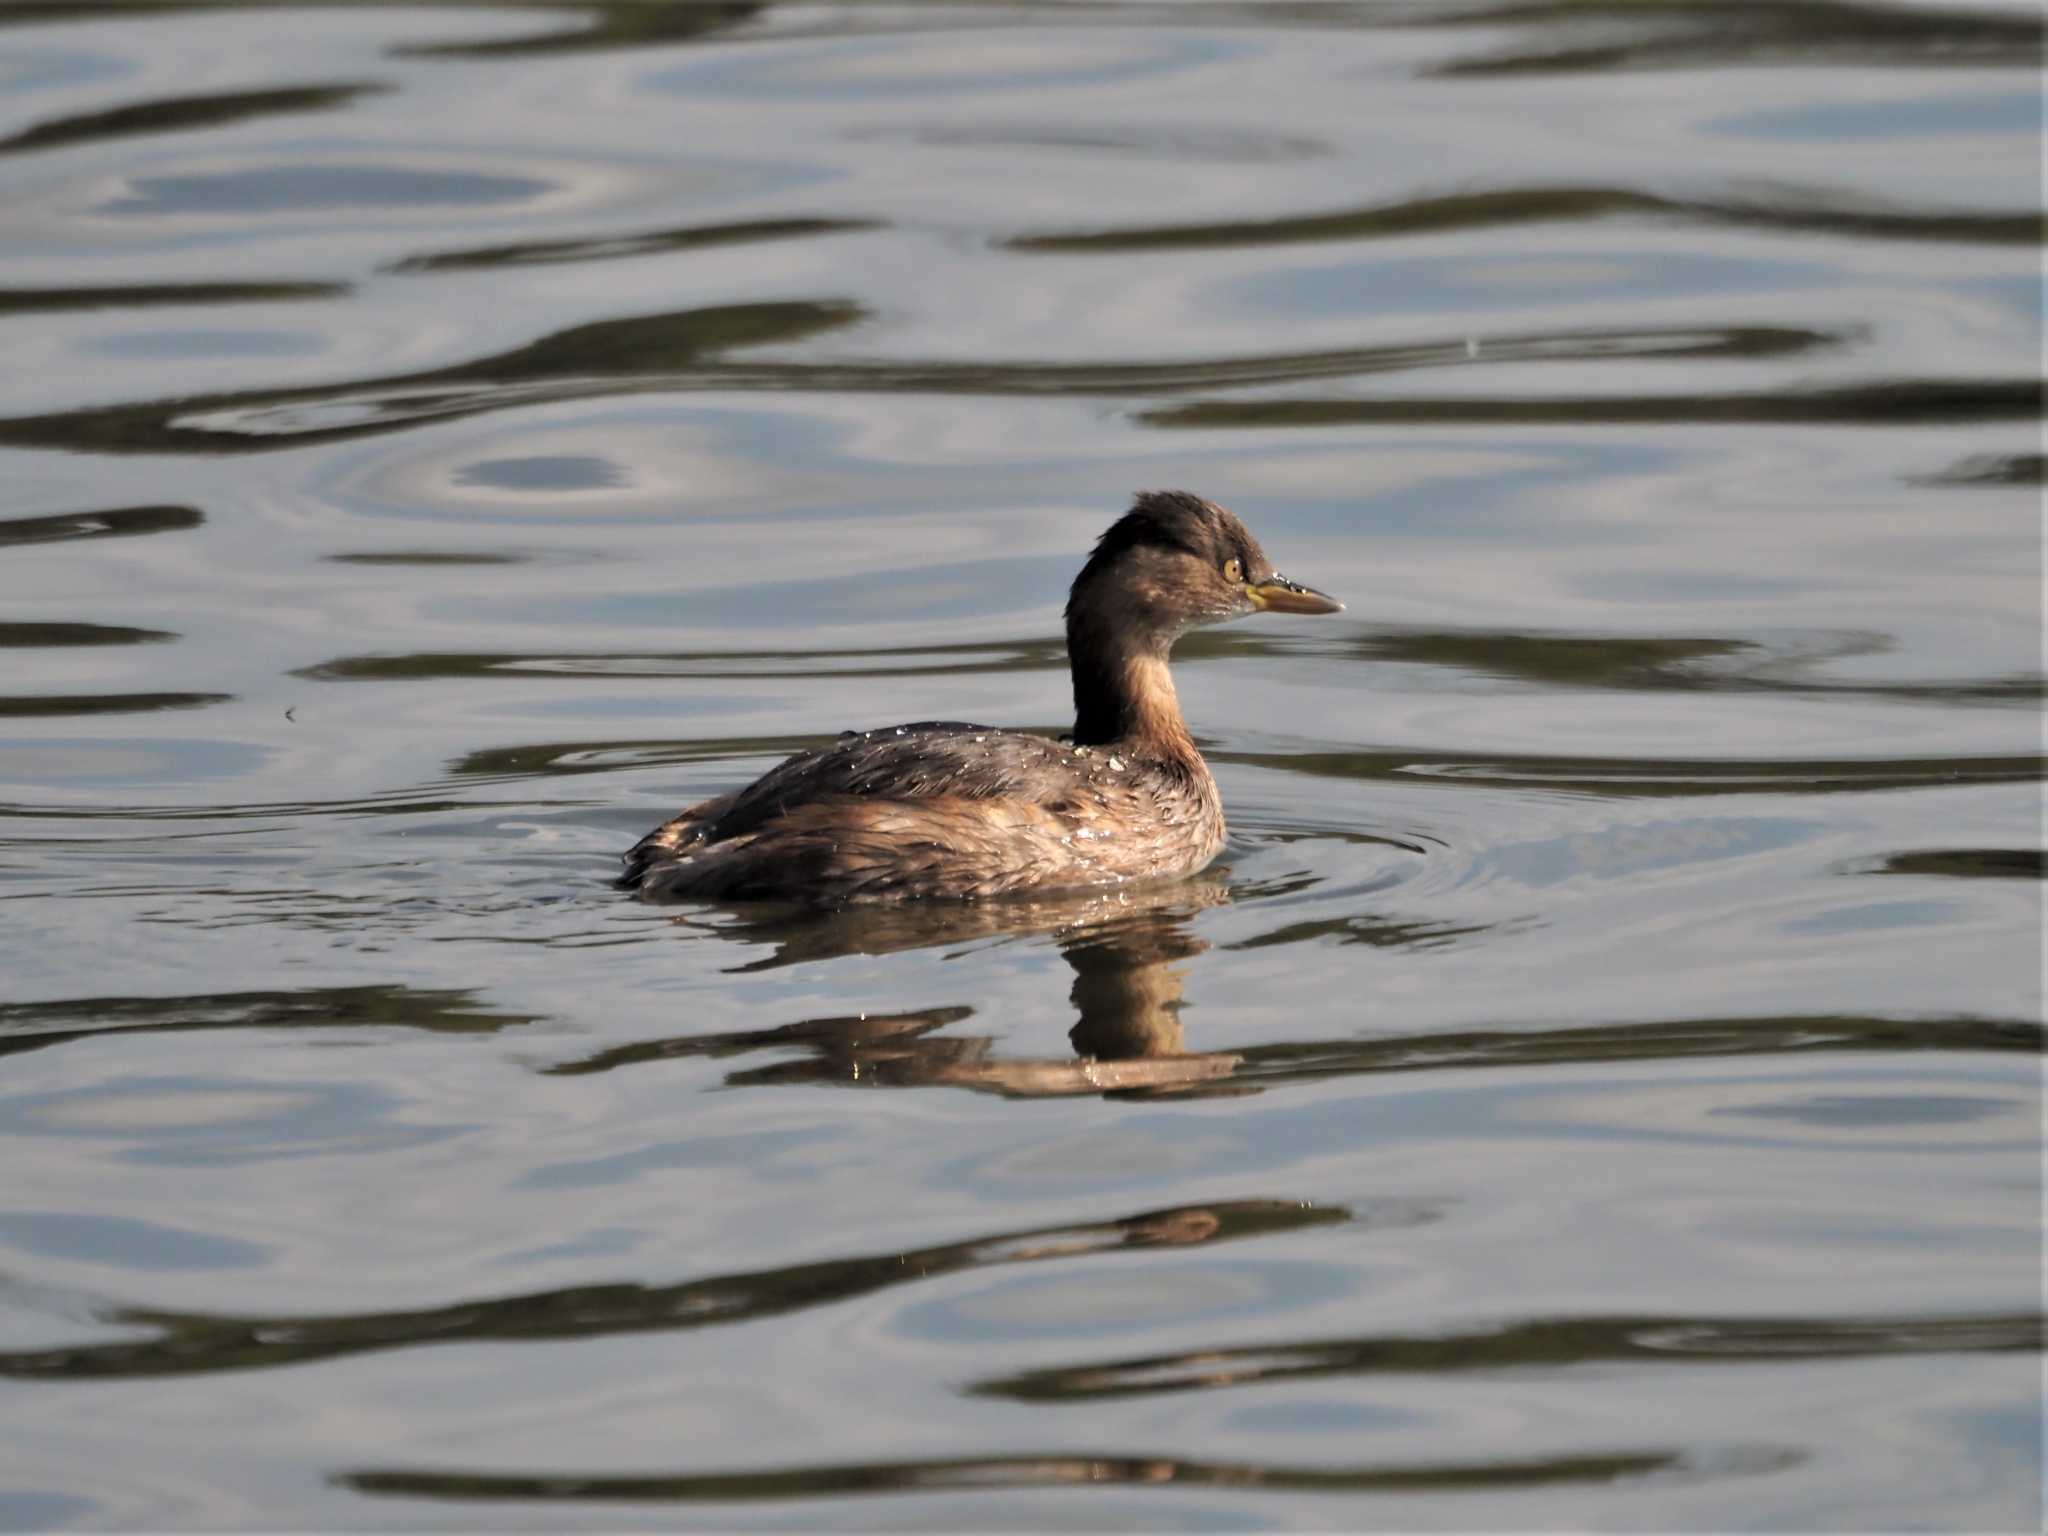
1276, 594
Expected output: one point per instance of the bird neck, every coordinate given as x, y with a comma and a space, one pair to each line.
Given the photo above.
1124, 693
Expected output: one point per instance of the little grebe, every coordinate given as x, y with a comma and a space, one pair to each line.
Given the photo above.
944, 809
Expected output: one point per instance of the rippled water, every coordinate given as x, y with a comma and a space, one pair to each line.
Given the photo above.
1599, 1086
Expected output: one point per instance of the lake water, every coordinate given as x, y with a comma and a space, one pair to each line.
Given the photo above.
1599, 1087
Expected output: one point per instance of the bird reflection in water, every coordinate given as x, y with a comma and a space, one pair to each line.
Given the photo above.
1127, 949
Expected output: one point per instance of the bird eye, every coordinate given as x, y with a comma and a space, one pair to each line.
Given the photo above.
1233, 570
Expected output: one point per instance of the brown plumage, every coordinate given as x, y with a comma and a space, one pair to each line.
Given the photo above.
949, 810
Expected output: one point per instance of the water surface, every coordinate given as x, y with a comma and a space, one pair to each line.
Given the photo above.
1597, 1088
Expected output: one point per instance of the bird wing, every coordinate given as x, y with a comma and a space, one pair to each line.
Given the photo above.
926, 760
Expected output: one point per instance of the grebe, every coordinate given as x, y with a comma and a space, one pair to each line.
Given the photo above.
942, 809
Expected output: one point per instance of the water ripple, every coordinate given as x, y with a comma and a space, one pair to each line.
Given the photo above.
1072, 1469
1787, 210
182, 113
188, 1343
1549, 1344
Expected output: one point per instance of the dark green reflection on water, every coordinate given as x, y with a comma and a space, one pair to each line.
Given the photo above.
602, 24
1968, 863
53, 705
951, 660
530, 253
189, 1343
1551, 1343
32, 1026
1660, 663
1645, 1040
1786, 209
424, 557
1886, 401
98, 523
402, 802
42, 636
1072, 1469
33, 301
175, 114
1632, 777
1996, 469
1611, 35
